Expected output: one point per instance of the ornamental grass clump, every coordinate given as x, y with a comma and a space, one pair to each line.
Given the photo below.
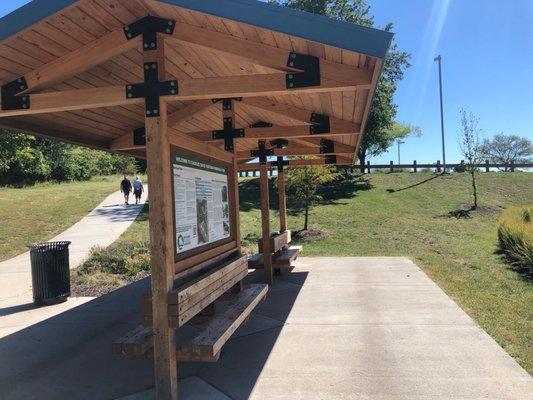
515, 233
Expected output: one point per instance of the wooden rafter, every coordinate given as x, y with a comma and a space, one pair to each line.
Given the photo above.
189, 89
260, 54
288, 110
82, 59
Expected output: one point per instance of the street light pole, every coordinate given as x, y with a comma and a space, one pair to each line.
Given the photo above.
399, 143
438, 59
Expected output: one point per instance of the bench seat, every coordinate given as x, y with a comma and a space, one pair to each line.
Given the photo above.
282, 259
206, 345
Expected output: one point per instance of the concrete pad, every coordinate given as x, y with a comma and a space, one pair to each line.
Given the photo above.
333, 328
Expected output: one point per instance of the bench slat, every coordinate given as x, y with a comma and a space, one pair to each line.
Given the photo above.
209, 341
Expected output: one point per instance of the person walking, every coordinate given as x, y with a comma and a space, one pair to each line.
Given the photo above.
125, 188
138, 189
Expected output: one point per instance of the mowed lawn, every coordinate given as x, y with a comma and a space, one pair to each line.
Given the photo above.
38, 213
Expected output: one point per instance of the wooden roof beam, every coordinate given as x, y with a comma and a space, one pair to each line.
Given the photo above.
296, 151
261, 54
188, 89
79, 60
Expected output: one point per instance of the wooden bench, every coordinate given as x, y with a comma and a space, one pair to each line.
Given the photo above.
193, 292
282, 254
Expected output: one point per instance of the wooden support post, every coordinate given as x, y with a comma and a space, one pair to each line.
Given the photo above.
265, 222
512, 165
368, 167
161, 240
438, 166
487, 168
282, 201
391, 168
414, 166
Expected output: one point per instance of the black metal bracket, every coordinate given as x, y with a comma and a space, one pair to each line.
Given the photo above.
310, 65
230, 98
280, 162
320, 124
149, 27
139, 136
331, 159
262, 152
152, 89
327, 146
228, 134
279, 143
10, 100
261, 124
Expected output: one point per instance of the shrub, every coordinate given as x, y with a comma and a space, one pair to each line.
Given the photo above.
515, 234
118, 259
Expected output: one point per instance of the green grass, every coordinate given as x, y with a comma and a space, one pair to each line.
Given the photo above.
405, 214
38, 213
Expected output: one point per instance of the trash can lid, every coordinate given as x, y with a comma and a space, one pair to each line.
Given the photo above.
49, 246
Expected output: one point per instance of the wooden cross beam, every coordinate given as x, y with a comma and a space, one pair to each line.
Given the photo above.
261, 54
274, 132
188, 89
296, 150
328, 160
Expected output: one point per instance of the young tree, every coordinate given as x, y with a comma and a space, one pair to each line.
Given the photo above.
469, 145
503, 149
304, 181
377, 135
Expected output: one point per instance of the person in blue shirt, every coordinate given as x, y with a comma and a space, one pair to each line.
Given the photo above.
138, 189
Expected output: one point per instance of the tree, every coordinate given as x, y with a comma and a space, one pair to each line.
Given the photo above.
304, 181
377, 136
470, 146
503, 149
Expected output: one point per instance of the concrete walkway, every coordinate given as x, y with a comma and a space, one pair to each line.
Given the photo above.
333, 328
100, 227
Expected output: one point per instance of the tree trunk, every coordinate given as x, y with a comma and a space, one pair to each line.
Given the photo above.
474, 186
306, 220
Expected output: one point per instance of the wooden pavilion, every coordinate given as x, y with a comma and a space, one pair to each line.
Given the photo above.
201, 89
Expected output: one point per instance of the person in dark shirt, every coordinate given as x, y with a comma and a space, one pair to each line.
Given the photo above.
125, 187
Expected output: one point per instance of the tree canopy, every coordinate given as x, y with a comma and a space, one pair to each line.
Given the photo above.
380, 129
502, 149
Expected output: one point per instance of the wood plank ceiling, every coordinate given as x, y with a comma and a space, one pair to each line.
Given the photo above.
87, 20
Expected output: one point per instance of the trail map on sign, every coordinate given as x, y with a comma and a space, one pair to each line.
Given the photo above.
201, 209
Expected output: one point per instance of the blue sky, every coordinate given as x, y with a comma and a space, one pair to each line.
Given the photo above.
487, 50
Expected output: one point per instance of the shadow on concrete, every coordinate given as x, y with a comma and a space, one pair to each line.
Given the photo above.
16, 309
119, 213
69, 355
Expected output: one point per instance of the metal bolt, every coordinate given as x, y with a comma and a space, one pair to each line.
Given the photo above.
168, 31
172, 91
156, 111
152, 45
24, 106
291, 64
19, 80
22, 87
154, 66
291, 84
127, 28
130, 95
146, 66
129, 87
170, 23
130, 35
172, 83
293, 55
146, 45
148, 112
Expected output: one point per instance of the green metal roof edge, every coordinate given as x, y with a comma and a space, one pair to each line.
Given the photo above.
317, 28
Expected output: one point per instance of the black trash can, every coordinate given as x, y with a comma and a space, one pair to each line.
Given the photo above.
50, 272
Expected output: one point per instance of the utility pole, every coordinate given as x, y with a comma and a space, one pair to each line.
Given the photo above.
399, 143
438, 59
